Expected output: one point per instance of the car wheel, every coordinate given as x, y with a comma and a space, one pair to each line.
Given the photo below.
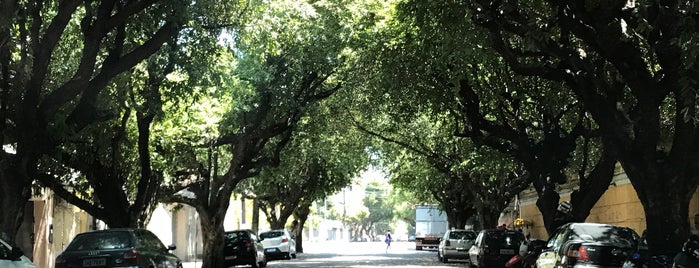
293, 255
418, 248
288, 256
445, 260
439, 256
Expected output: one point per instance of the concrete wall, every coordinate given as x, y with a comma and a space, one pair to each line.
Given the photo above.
619, 206
55, 224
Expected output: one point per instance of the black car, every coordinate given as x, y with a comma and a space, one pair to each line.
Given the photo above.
117, 248
494, 247
589, 245
244, 247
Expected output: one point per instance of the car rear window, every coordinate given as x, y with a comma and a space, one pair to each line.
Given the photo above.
504, 238
236, 236
462, 235
613, 234
272, 234
101, 240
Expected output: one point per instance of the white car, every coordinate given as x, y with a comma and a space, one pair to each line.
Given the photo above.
278, 244
13, 257
455, 245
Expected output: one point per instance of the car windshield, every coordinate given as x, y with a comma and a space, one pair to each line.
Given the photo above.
462, 235
603, 233
233, 237
101, 240
271, 234
504, 238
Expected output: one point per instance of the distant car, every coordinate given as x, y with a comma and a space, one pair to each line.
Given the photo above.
494, 247
123, 247
279, 244
411, 238
243, 247
455, 245
588, 245
12, 257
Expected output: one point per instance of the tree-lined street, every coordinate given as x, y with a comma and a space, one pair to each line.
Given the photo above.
117, 106
361, 254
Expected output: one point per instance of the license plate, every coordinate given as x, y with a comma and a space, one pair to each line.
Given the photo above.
507, 251
94, 262
460, 249
269, 250
231, 257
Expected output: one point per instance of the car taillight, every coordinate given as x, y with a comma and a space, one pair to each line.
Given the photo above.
284, 240
131, 256
249, 244
578, 253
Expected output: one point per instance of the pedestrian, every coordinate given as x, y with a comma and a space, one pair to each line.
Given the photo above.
388, 240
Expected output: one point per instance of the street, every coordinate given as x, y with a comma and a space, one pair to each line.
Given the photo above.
361, 254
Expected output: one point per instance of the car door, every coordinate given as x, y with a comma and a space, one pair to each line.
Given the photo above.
259, 248
475, 249
157, 253
549, 256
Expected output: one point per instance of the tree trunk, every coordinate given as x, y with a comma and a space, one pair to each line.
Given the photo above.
548, 206
213, 238
488, 217
15, 195
457, 217
255, 215
666, 208
301, 215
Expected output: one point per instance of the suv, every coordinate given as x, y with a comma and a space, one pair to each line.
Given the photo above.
494, 247
117, 247
589, 245
279, 244
455, 244
243, 247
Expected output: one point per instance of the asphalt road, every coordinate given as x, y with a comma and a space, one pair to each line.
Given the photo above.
362, 254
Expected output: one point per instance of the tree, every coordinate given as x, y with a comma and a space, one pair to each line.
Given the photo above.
379, 208
114, 169
55, 60
322, 158
285, 64
632, 65
534, 121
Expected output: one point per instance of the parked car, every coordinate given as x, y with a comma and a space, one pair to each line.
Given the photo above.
588, 245
13, 257
116, 248
455, 244
494, 247
243, 247
279, 244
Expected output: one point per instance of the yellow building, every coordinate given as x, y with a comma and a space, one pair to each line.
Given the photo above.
619, 206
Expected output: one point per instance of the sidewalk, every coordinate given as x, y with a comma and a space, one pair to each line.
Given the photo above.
196, 264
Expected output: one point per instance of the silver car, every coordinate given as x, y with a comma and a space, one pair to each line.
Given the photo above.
12, 257
278, 244
455, 245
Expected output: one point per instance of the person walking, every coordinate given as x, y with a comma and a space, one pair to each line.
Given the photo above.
388, 240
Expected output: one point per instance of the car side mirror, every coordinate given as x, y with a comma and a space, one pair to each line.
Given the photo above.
171, 247
16, 254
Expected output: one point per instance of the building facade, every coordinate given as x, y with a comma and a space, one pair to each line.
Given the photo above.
619, 206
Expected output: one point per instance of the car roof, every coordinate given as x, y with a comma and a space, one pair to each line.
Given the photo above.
240, 230
115, 230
